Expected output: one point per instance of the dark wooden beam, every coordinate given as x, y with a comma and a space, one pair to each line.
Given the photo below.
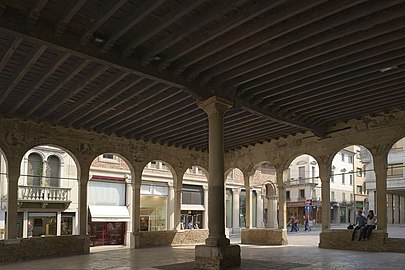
301, 63
139, 92
22, 70
374, 96
211, 14
375, 85
125, 125
36, 10
36, 84
97, 72
254, 109
231, 23
164, 22
84, 117
332, 83
305, 39
12, 47
139, 14
92, 95
246, 37
106, 14
174, 118
59, 85
334, 70
61, 26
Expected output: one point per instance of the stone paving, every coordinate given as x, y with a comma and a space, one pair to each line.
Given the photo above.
302, 253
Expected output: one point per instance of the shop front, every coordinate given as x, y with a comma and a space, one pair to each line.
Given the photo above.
192, 207
154, 200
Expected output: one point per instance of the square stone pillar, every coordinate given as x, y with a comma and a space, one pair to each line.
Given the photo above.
12, 198
390, 208
248, 222
380, 170
396, 206
235, 209
217, 253
136, 208
205, 223
324, 174
282, 203
260, 223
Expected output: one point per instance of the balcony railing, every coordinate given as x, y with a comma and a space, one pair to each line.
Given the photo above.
295, 182
35, 193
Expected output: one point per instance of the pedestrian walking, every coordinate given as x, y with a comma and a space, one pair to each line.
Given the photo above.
306, 224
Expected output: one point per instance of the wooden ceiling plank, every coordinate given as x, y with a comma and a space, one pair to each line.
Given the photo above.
75, 89
254, 109
103, 17
354, 101
186, 29
83, 119
362, 110
380, 83
309, 37
24, 67
163, 23
59, 60
171, 119
231, 23
137, 16
62, 24
281, 89
36, 10
330, 84
12, 47
298, 63
99, 91
152, 108
60, 85
145, 106
142, 92
268, 31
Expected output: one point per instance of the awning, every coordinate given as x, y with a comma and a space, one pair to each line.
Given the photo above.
101, 213
192, 207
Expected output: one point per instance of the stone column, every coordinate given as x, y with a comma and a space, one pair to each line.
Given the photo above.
217, 253
380, 169
83, 206
235, 209
170, 207
272, 211
178, 184
205, 224
396, 209
259, 209
12, 197
390, 207
402, 209
324, 174
248, 222
177, 208
136, 207
282, 203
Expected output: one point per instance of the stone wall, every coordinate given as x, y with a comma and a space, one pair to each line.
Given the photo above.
167, 238
42, 247
269, 237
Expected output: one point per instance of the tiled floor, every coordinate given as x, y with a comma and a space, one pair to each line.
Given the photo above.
302, 253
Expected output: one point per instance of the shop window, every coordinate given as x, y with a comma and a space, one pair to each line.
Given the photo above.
41, 224
254, 208
66, 223
153, 213
242, 209
192, 195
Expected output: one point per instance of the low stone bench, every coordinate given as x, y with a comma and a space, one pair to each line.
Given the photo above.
342, 239
168, 238
270, 237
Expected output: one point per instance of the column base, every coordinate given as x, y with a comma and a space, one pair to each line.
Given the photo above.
134, 240
216, 258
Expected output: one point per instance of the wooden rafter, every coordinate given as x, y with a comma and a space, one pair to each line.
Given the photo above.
61, 26
36, 10
164, 22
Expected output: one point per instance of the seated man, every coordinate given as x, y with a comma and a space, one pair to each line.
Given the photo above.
360, 222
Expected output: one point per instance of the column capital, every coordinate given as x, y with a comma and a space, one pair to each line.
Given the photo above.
215, 105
